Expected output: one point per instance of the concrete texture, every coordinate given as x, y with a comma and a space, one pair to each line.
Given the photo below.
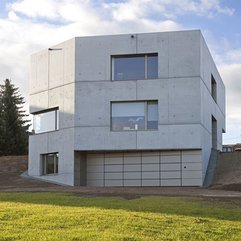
75, 76
228, 169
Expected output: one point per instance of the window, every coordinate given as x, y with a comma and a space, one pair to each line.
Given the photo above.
133, 67
50, 163
140, 115
214, 133
46, 121
213, 88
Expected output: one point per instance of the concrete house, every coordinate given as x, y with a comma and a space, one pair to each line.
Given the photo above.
126, 110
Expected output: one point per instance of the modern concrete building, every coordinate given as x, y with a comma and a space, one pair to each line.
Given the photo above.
126, 110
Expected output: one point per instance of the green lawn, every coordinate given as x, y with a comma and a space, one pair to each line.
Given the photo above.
62, 216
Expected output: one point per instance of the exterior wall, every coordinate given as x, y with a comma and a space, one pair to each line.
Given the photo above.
52, 85
77, 79
209, 107
179, 108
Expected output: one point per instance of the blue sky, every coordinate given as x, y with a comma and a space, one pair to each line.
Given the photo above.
27, 26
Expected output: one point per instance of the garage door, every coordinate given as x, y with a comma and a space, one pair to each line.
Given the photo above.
172, 168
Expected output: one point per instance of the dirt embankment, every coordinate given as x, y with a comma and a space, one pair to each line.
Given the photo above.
228, 171
13, 164
11, 168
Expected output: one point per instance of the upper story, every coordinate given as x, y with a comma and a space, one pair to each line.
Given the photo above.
104, 58
174, 70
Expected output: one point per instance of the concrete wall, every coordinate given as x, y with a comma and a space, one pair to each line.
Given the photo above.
52, 85
209, 107
77, 79
178, 107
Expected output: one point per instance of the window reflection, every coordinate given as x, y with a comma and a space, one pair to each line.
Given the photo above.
133, 67
128, 68
152, 115
134, 116
46, 121
152, 67
50, 163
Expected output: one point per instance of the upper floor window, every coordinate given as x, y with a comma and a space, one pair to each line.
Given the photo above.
134, 115
133, 67
213, 88
47, 120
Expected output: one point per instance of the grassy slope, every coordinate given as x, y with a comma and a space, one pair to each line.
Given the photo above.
51, 216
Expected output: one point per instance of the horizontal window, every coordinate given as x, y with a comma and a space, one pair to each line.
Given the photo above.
50, 163
133, 67
46, 121
141, 115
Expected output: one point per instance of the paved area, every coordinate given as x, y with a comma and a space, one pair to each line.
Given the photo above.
13, 182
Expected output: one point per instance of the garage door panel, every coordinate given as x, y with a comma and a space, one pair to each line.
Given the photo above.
170, 159
150, 153
113, 168
96, 168
132, 160
150, 182
95, 175
194, 152
192, 174
132, 168
170, 182
113, 154
132, 154
114, 160
114, 175
95, 155
192, 182
171, 175
150, 159
95, 161
132, 183
170, 153
132, 175
150, 167
150, 175
171, 167
191, 158
95, 183
113, 183
189, 166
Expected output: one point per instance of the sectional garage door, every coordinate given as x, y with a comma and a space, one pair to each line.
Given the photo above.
172, 168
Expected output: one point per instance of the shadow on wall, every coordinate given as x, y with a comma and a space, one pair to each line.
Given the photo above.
186, 206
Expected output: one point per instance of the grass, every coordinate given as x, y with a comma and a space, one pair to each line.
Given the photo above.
64, 216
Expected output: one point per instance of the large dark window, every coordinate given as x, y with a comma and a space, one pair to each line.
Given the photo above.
133, 67
141, 115
50, 163
45, 121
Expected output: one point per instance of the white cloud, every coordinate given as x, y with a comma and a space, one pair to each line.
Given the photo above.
31, 25
137, 9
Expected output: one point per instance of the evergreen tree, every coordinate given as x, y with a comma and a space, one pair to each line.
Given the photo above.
13, 123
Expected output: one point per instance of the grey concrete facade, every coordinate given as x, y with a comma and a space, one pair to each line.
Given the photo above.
75, 76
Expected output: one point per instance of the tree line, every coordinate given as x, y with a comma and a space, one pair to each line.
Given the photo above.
14, 123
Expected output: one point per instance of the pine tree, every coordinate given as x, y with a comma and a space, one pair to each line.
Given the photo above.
13, 121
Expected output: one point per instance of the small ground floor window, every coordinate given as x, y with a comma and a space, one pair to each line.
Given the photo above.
50, 163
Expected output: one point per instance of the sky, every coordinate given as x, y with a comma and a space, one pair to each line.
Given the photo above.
28, 26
